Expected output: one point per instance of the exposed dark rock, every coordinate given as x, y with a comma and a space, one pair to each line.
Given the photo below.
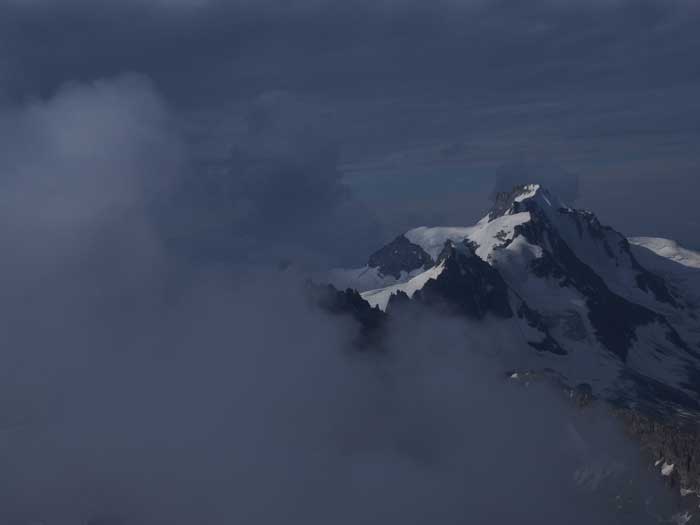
398, 300
467, 285
350, 303
505, 201
650, 282
614, 318
582, 394
646, 280
535, 320
654, 397
570, 323
470, 287
400, 255
667, 444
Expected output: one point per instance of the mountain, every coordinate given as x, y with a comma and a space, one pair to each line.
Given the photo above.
560, 293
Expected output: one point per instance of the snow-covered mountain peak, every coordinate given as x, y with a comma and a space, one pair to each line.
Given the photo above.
596, 308
527, 191
524, 197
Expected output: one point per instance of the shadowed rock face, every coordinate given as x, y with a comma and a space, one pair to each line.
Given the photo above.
582, 394
559, 280
349, 303
504, 201
614, 318
475, 288
587, 224
535, 320
668, 443
586, 221
467, 285
400, 255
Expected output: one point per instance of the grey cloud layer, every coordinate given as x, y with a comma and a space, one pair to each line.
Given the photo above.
142, 381
385, 49
605, 90
139, 387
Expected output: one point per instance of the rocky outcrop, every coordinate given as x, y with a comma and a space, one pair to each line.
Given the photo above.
614, 318
349, 303
673, 446
400, 255
467, 285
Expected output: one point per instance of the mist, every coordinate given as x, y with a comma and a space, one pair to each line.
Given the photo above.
142, 385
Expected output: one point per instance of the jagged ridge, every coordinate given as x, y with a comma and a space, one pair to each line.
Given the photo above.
561, 281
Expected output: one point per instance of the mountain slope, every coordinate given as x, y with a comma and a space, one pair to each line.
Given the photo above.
591, 305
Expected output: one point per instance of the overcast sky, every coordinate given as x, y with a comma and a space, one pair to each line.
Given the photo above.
424, 105
148, 148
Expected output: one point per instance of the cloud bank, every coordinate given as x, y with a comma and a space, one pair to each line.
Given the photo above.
159, 367
141, 387
278, 196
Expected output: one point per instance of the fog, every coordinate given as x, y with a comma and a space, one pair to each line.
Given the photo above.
142, 385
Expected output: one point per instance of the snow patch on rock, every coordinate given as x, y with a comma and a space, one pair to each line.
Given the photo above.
667, 469
669, 249
381, 296
363, 279
487, 235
